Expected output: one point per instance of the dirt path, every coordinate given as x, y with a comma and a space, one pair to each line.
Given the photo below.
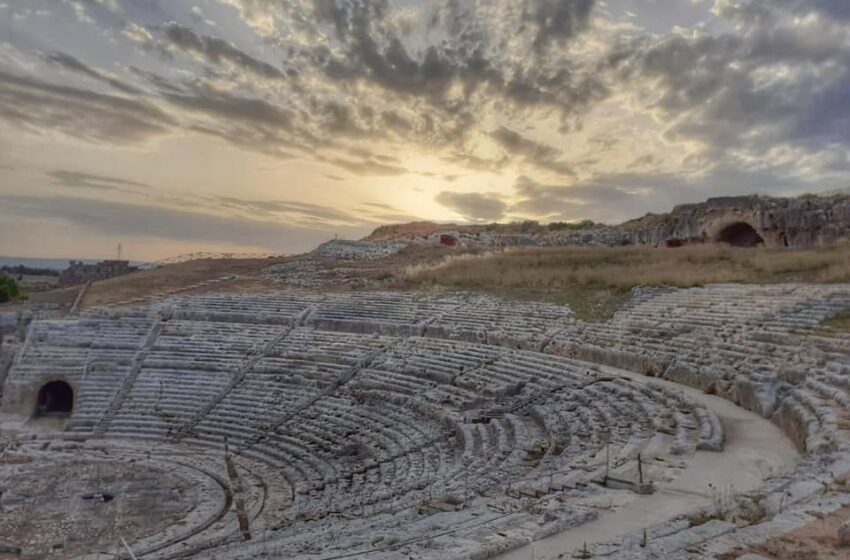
816, 540
754, 449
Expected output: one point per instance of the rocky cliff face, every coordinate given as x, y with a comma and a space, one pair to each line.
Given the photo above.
747, 221
775, 222
742, 221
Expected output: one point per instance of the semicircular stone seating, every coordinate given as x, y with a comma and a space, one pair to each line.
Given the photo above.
444, 426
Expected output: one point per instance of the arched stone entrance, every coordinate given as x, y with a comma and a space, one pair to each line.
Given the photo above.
55, 398
740, 234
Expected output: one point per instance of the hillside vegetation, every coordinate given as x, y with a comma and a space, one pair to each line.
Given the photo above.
596, 281
9, 289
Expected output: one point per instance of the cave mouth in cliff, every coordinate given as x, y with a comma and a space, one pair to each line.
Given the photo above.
740, 234
55, 399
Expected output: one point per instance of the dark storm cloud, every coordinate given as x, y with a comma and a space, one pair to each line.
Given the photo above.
557, 20
77, 179
759, 80
245, 121
237, 108
75, 65
385, 62
373, 51
428, 92
783, 77
518, 144
753, 11
615, 197
396, 122
557, 200
36, 105
535, 153
473, 206
217, 51
154, 79
335, 118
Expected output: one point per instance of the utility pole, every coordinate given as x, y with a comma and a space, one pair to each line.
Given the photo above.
119, 251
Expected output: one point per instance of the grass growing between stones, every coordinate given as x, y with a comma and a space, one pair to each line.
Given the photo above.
838, 323
596, 281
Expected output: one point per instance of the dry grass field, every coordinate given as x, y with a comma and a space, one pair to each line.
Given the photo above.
595, 281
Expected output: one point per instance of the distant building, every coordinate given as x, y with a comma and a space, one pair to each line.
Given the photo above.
80, 273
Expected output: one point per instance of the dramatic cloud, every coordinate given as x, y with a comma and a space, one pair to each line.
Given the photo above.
368, 167
555, 202
217, 51
541, 155
473, 206
556, 20
303, 112
780, 80
38, 106
77, 179
298, 211
70, 63
123, 219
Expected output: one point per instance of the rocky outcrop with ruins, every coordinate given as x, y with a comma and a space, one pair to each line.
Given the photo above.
748, 220
79, 272
743, 221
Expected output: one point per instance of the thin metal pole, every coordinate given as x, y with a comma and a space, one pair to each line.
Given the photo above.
127, 546
640, 469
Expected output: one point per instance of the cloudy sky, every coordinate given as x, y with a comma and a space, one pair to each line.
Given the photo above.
176, 126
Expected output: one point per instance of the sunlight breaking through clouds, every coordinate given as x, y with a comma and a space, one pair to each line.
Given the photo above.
441, 110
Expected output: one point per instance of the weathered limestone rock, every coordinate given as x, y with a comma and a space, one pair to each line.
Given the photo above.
375, 417
808, 221
357, 250
8, 348
740, 220
844, 534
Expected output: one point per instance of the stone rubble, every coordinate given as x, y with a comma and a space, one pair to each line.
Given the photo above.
343, 249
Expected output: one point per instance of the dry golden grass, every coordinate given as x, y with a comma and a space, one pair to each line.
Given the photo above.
596, 281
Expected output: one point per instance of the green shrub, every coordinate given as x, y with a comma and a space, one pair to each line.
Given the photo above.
8, 288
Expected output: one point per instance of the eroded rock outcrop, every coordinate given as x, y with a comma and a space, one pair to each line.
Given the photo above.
748, 220
745, 221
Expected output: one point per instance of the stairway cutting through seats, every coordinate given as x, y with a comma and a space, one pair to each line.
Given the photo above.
126, 386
